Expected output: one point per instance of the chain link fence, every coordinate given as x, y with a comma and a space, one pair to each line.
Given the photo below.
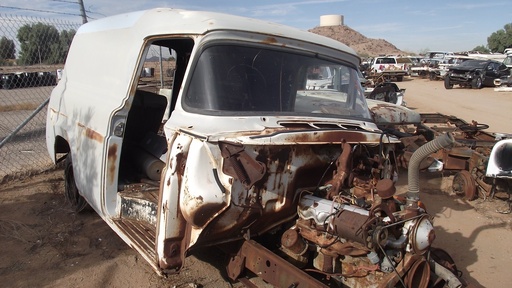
32, 54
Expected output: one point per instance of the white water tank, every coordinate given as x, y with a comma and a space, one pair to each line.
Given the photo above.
331, 20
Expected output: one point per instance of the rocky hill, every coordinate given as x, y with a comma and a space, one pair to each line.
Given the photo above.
363, 45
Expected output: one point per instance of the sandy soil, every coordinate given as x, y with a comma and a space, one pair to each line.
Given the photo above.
44, 244
482, 105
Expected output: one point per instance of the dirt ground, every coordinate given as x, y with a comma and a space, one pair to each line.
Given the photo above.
44, 244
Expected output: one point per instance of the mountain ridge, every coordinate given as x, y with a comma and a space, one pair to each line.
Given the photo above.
363, 45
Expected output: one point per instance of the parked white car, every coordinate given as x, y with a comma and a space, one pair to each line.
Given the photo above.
298, 182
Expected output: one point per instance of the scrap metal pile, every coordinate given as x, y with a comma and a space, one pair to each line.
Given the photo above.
469, 158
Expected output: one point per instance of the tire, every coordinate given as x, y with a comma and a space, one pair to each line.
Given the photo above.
477, 83
76, 201
447, 84
464, 185
399, 78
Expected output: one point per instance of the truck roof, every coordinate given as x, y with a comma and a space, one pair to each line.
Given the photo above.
177, 21
106, 52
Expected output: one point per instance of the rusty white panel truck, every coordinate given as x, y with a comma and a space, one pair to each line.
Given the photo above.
298, 182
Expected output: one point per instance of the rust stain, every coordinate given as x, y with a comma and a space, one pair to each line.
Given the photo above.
111, 163
329, 137
181, 162
270, 40
306, 133
54, 111
91, 134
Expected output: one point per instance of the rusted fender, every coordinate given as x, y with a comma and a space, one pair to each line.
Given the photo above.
385, 113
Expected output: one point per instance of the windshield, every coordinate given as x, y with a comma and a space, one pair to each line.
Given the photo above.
474, 63
242, 80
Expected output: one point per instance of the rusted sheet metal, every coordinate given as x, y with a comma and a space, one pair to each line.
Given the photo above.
240, 165
303, 132
469, 156
270, 267
329, 137
270, 40
91, 134
313, 135
199, 175
112, 155
453, 159
342, 171
272, 199
387, 113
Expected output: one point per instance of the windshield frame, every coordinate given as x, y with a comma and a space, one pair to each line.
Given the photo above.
361, 112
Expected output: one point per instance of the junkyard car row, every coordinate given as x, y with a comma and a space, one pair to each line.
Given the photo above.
475, 74
489, 70
265, 145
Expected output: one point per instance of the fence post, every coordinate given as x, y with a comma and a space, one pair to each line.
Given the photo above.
34, 113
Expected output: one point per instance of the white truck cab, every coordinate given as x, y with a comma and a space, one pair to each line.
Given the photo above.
391, 66
245, 151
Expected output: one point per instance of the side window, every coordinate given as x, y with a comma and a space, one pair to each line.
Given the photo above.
154, 96
157, 68
388, 61
164, 69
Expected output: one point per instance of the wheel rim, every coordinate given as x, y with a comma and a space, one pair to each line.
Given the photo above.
464, 185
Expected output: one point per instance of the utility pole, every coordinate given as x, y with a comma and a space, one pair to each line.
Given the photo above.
82, 11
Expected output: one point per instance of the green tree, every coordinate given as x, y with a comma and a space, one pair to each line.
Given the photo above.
38, 43
481, 48
66, 37
500, 39
60, 49
7, 49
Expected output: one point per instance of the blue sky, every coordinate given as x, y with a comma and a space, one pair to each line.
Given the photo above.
412, 26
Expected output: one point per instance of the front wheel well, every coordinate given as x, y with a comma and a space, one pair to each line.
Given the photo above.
61, 145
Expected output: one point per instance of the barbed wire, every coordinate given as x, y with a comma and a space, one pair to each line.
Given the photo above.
38, 10
53, 12
5, 18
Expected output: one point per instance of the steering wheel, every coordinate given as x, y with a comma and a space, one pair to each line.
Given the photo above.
474, 127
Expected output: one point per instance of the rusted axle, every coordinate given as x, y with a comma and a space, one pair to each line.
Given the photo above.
269, 266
